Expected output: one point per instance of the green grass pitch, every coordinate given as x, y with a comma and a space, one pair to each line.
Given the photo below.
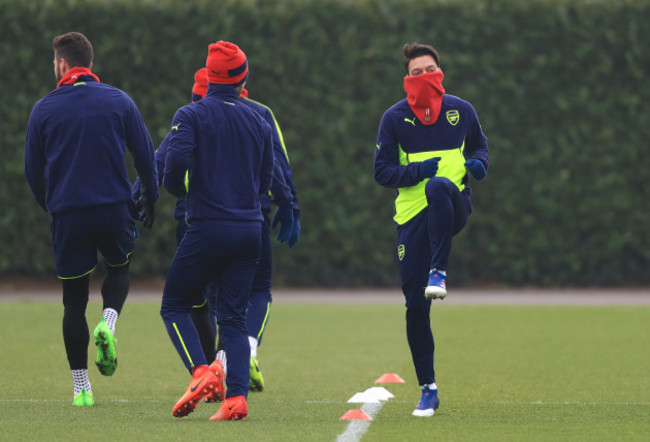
504, 373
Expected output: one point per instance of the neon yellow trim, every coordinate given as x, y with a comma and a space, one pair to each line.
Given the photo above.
79, 83
183, 344
266, 318
200, 305
277, 127
412, 200
76, 277
187, 181
128, 258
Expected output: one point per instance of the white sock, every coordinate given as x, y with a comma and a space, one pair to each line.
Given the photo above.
110, 316
442, 272
431, 386
81, 381
253, 343
222, 355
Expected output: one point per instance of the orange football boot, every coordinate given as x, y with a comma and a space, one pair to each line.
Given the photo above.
203, 383
233, 409
219, 392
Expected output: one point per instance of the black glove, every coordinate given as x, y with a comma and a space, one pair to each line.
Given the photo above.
147, 213
428, 168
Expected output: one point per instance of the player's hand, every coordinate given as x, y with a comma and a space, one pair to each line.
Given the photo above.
476, 168
428, 168
284, 217
147, 213
295, 233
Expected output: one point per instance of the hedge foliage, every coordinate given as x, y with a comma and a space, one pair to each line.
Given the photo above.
561, 88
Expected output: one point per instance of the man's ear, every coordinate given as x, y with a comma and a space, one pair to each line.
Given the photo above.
64, 68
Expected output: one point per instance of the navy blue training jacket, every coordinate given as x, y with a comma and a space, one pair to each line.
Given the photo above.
228, 149
75, 146
282, 173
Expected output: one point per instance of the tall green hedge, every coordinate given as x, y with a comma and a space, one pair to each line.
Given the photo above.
561, 88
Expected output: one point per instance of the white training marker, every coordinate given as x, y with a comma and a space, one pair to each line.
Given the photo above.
380, 393
363, 398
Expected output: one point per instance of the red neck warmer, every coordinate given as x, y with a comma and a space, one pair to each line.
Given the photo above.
73, 76
424, 94
244, 93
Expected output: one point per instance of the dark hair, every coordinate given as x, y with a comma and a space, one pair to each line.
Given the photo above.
415, 50
75, 48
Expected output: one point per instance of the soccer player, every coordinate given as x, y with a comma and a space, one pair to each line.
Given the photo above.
259, 305
228, 151
75, 146
285, 198
426, 145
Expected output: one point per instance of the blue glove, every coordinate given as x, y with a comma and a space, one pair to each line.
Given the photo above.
428, 168
295, 233
476, 168
284, 216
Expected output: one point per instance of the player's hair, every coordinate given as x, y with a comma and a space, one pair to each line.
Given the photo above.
415, 50
74, 48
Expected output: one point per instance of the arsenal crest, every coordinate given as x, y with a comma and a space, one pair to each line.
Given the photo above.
453, 117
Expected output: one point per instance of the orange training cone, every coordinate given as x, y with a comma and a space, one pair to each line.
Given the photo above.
390, 378
356, 415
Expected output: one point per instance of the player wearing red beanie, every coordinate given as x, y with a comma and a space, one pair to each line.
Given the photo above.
228, 149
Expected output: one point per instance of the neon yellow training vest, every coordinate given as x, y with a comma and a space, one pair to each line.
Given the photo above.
412, 200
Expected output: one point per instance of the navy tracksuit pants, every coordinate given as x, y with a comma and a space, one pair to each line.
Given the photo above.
226, 251
259, 304
424, 242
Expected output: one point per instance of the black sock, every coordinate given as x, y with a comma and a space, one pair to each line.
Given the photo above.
75, 328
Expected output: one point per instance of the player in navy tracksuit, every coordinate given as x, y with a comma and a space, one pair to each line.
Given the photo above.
426, 145
74, 162
228, 151
259, 306
283, 196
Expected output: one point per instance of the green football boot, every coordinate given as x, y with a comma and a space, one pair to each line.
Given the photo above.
83, 399
257, 381
106, 354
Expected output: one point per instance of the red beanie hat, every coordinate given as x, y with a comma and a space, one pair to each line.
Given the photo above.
200, 87
226, 64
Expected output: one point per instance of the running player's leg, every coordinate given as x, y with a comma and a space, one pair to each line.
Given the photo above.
115, 239
259, 305
75, 258
195, 264
234, 292
76, 336
414, 257
448, 211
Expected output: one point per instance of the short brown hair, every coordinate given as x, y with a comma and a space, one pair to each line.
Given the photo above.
75, 48
415, 50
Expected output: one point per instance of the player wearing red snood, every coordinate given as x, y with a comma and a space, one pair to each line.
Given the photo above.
426, 145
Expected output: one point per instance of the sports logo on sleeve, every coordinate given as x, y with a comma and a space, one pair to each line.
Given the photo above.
401, 250
453, 117
410, 121
176, 127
